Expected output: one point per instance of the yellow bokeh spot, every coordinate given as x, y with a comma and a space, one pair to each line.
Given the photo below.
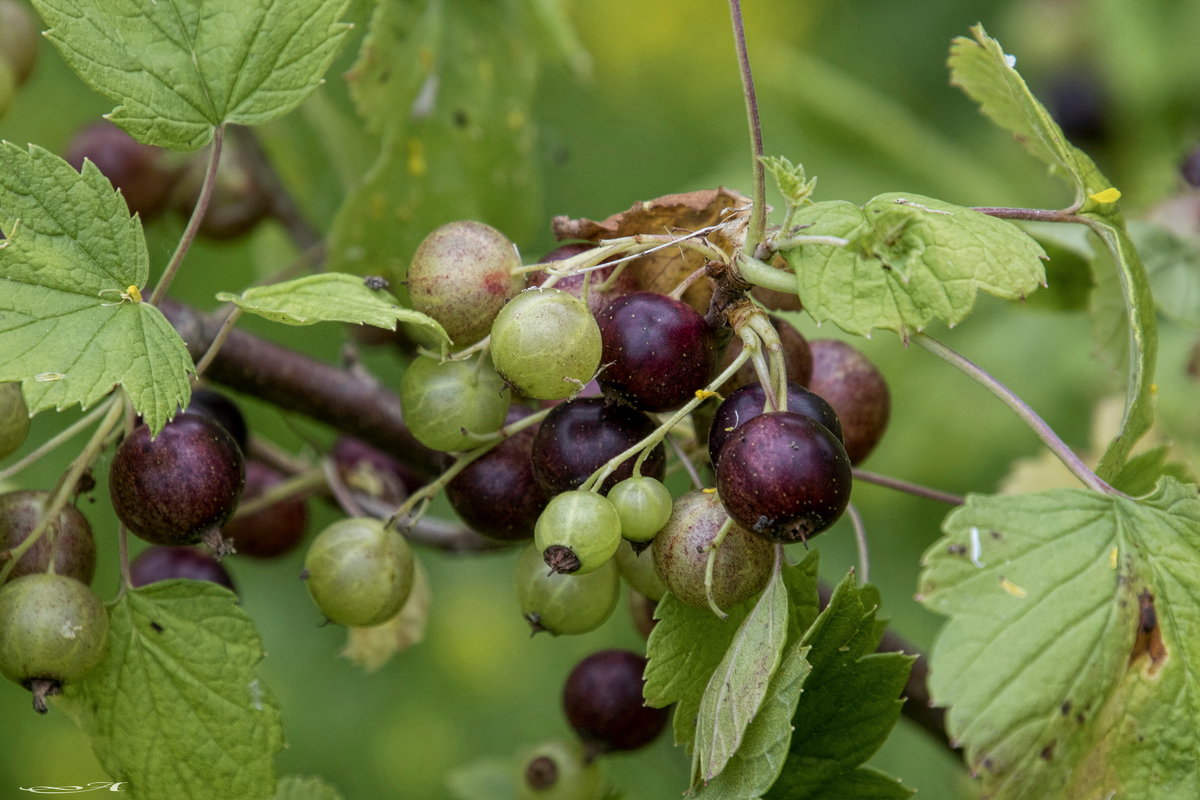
416, 158
1109, 195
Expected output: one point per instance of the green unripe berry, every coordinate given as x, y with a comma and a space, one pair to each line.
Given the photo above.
644, 505
358, 572
565, 604
14, 418
447, 405
639, 571
18, 40
558, 770
53, 630
8, 87
577, 532
461, 275
546, 344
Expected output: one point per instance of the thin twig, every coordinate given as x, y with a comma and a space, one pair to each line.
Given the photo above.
860, 541
758, 212
1029, 214
193, 225
907, 487
1030, 417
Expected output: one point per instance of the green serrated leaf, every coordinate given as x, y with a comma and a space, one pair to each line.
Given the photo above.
297, 787
1068, 661
802, 581
175, 709
684, 649
331, 297
849, 705
740, 683
180, 68
981, 68
1142, 472
485, 779
909, 260
449, 88
764, 748
70, 328
1140, 334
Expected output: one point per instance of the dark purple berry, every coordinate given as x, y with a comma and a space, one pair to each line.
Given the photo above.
369, 471
221, 410
784, 477
604, 705
238, 203
749, 401
65, 547
576, 438
270, 531
164, 563
856, 390
180, 486
139, 171
497, 494
657, 351
1190, 168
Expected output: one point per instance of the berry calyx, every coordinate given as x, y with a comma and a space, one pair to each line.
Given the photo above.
546, 344
53, 630
461, 275
358, 572
578, 532
564, 605
180, 486
557, 770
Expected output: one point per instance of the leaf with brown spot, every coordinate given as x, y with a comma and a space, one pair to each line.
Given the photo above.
1085, 683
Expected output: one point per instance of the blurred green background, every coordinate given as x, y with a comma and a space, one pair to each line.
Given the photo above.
855, 90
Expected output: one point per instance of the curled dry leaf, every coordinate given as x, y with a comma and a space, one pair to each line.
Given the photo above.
371, 648
662, 270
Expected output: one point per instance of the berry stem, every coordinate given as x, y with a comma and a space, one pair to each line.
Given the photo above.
761, 325
1030, 214
1038, 425
758, 217
766, 276
684, 460
60, 438
214, 346
302, 483
413, 508
598, 477
193, 225
710, 564
68, 484
908, 487
860, 541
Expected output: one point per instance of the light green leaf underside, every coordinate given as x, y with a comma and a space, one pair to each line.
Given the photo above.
760, 757
179, 68
66, 332
330, 297
296, 787
980, 67
449, 89
684, 649
740, 683
849, 705
1068, 661
175, 708
910, 260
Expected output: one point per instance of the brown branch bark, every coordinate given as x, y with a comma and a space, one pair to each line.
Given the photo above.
334, 396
